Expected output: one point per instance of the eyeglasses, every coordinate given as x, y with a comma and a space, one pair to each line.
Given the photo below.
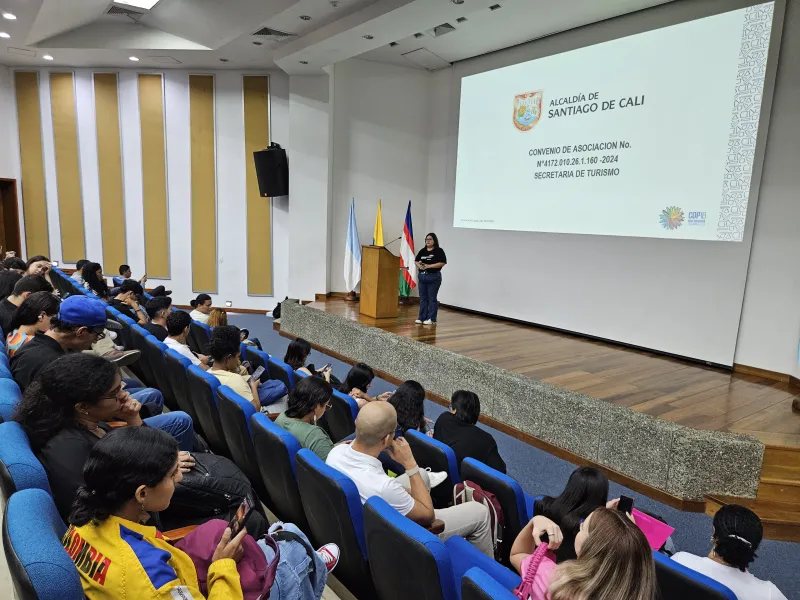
115, 395
100, 333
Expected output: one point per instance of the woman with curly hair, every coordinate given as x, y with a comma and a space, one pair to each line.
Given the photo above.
409, 402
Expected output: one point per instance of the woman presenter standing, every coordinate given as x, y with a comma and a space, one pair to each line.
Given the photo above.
430, 261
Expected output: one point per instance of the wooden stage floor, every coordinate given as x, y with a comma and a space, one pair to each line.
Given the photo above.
681, 391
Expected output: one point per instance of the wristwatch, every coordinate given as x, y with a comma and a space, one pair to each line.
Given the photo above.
412, 472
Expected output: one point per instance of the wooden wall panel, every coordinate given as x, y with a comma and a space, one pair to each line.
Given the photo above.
204, 186
154, 175
259, 214
34, 203
68, 175
109, 163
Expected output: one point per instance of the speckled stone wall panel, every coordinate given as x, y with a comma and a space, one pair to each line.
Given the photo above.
714, 462
572, 421
518, 402
290, 316
436, 369
403, 359
478, 377
636, 444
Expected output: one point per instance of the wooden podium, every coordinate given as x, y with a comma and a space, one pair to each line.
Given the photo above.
380, 271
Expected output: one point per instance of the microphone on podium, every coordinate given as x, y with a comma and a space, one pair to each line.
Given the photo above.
400, 237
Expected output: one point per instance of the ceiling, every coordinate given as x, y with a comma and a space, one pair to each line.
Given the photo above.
218, 34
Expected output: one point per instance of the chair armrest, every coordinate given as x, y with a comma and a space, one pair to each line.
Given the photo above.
273, 416
436, 527
176, 535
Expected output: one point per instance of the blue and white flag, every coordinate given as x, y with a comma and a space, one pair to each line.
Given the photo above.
352, 252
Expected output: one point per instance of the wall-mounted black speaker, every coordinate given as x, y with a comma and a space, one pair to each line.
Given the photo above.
272, 170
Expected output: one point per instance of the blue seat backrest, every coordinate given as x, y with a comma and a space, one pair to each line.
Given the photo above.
464, 556
235, 412
340, 420
117, 281
433, 454
19, 467
202, 388
477, 585
176, 366
281, 371
256, 358
10, 396
39, 565
677, 581
396, 547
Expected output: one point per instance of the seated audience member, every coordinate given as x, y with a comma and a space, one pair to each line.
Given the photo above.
296, 355
94, 281
8, 279
217, 318
178, 329
158, 310
14, 263
124, 274
127, 301
33, 316
24, 287
65, 412
245, 334
736, 535
225, 348
77, 275
128, 475
375, 427
458, 429
357, 382
409, 402
40, 265
80, 323
308, 401
614, 561
201, 306
586, 491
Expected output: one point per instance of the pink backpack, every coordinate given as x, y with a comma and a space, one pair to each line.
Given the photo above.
255, 574
469, 491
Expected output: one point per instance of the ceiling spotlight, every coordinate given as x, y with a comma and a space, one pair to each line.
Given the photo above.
457, 1
4, 35
9, 16
335, 3
305, 17
47, 57
258, 43
368, 37
224, 60
133, 58
303, 62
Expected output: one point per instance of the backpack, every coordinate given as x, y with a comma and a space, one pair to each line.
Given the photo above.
469, 491
214, 488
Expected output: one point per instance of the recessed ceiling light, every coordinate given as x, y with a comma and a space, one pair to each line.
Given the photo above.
145, 4
393, 44
4, 35
258, 43
133, 58
494, 7
303, 62
305, 17
47, 57
224, 60
368, 37
9, 16
457, 1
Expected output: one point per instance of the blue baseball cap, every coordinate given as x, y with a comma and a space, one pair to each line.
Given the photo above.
82, 311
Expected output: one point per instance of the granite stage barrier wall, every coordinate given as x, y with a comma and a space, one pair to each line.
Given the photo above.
680, 461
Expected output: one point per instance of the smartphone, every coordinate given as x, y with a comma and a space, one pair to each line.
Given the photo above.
256, 374
240, 517
625, 505
326, 367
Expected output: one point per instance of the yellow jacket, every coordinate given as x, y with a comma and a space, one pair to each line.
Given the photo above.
118, 559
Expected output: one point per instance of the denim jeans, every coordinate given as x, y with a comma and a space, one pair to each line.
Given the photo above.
153, 398
293, 578
429, 284
176, 423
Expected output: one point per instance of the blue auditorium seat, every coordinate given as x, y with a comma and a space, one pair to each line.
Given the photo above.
19, 468
40, 567
433, 454
334, 512
199, 336
281, 371
276, 450
513, 500
464, 556
202, 389
677, 581
257, 358
10, 395
154, 355
176, 365
340, 420
139, 341
235, 413
478, 585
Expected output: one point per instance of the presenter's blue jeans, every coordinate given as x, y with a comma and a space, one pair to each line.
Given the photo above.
429, 284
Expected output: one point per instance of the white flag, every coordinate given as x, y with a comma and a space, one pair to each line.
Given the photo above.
352, 252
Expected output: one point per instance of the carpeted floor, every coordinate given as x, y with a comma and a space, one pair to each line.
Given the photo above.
540, 473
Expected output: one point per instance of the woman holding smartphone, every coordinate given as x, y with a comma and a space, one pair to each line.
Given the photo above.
430, 262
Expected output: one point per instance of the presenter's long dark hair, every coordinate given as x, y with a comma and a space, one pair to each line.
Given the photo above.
435, 239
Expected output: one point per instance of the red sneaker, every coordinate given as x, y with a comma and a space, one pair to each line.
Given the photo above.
330, 554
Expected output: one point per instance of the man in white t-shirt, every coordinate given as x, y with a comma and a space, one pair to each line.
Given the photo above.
375, 427
745, 585
178, 329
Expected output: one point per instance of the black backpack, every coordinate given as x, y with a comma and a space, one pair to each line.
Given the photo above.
213, 489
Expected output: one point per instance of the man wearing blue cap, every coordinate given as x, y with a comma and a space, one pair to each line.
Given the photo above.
80, 323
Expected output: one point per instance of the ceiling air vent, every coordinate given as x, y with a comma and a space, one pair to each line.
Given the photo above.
275, 34
118, 11
440, 30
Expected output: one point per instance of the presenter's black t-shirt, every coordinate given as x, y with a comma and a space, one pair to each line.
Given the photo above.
430, 257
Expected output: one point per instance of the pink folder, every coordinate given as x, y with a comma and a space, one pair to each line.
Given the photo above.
654, 530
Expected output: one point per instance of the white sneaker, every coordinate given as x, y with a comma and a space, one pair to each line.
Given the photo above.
435, 477
418, 322
429, 322
330, 554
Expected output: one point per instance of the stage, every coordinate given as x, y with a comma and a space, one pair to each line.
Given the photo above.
677, 390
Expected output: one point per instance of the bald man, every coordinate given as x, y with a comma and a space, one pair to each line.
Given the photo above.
375, 427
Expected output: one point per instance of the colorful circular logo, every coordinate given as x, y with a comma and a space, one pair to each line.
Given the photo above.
671, 217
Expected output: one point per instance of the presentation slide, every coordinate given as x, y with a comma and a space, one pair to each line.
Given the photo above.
651, 135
